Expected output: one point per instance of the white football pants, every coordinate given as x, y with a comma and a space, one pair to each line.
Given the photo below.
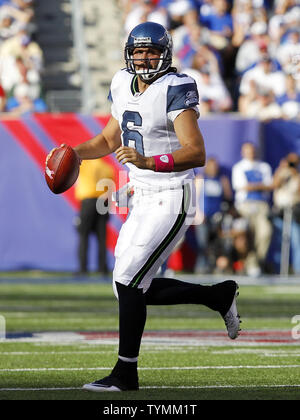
156, 222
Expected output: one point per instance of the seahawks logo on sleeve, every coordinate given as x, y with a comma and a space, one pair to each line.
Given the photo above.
182, 97
192, 98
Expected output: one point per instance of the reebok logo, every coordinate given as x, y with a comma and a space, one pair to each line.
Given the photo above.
142, 39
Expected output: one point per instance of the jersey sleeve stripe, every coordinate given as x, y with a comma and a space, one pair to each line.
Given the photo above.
182, 97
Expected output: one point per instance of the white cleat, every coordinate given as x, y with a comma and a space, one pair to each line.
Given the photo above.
232, 319
111, 384
100, 388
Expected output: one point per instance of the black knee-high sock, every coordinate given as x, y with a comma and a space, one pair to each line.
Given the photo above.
132, 318
165, 291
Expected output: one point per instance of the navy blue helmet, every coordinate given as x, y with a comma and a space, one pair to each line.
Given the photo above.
149, 34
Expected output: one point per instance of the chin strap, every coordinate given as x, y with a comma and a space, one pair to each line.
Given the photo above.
153, 78
147, 80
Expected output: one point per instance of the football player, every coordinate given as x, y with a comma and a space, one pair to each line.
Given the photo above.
154, 130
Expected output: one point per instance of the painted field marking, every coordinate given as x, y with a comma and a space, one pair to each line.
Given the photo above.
180, 349
258, 352
42, 353
171, 338
162, 387
153, 368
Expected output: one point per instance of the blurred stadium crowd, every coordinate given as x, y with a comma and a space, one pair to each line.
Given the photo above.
21, 59
243, 54
245, 57
243, 218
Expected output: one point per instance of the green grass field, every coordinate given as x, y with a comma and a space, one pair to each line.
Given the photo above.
176, 368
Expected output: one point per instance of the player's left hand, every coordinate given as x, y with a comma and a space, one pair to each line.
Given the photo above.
126, 154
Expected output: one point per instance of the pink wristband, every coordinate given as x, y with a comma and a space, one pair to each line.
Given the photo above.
164, 163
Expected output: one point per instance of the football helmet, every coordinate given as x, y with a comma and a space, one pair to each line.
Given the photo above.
149, 34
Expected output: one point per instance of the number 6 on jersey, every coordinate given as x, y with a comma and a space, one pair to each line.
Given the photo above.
133, 135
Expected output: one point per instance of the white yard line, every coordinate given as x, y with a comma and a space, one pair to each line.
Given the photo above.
153, 368
162, 387
55, 353
260, 352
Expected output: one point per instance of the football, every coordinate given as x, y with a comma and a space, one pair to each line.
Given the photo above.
62, 169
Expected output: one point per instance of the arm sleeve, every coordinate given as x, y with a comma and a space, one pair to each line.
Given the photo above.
181, 98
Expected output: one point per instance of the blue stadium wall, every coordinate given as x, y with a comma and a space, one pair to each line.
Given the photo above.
37, 228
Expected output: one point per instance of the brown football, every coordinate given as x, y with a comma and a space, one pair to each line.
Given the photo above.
62, 169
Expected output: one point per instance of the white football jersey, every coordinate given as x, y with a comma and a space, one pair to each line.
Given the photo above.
146, 120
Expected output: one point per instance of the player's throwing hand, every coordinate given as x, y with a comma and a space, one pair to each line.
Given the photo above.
126, 154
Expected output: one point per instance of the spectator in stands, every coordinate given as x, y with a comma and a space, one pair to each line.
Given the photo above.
252, 183
242, 15
145, 11
9, 26
23, 46
262, 76
219, 22
191, 46
205, 57
233, 248
213, 188
20, 58
285, 18
292, 19
23, 4
213, 94
287, 197
90, 219
24, 101
22, 16
180, 12
263, 106
253, 48
205, 8
251, 40
244, 259
290, 101
222, 245
288, 50
15, 72
28, 75
27, 7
